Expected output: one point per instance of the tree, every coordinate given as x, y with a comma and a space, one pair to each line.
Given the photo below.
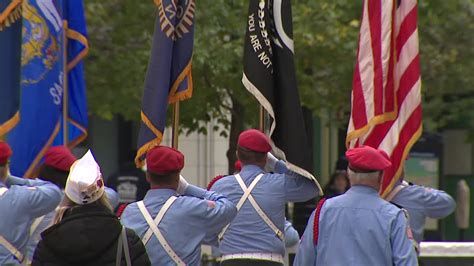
446, 30
326, 33
120, 34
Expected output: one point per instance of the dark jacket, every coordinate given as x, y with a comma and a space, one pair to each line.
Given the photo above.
87, 235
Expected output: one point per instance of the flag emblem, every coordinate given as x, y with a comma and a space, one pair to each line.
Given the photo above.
176, 17
40, 50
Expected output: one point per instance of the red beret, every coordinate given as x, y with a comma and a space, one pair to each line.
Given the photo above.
59, 157
163, 160
367, 159
254, 140
237, 165
5, 152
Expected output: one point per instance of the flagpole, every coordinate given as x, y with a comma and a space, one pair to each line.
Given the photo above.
262, 119
65, 87
175, 134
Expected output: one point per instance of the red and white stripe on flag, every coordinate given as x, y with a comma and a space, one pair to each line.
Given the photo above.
386, 88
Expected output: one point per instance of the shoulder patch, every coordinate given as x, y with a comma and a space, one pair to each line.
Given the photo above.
211, 204
214, 180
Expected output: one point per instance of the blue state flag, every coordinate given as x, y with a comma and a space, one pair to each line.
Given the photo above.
77, 49
10, 58
42, 78
168, 78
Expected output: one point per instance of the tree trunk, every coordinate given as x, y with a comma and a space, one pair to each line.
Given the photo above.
236, 126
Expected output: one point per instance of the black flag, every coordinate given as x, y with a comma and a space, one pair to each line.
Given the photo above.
269, 74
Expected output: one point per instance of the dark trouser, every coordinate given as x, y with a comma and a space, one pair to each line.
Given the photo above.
245, 262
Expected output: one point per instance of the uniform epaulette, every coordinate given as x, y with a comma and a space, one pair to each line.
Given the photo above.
214, 180
396, 205
120, 209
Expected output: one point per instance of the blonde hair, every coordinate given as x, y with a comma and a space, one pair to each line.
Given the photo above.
68, 204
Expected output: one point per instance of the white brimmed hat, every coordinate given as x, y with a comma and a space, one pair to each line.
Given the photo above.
85, 184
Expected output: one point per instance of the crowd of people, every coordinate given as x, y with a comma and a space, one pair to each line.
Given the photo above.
66, 216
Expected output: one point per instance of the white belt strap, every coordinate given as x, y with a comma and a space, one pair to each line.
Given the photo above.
38, 221
247, 195
35, 224
255, 256
153, 224
395, 191
13, 250
122, 246
3, 190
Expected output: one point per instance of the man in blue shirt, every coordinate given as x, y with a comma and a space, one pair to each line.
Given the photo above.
421, 202
358, 227
255, 236
21, 201
173, 227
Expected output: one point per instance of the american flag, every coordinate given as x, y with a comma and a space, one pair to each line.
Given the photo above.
386, 88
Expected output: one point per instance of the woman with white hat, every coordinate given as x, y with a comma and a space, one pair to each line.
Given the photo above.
86, 232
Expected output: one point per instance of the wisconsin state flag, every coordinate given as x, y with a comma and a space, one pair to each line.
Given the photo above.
10, 64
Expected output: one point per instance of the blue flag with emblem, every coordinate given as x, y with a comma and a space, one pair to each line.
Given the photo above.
10, 54
42, 80
168, 78
75, 107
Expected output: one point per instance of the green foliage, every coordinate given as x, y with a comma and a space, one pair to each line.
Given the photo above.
326, 33
120, 34
447, 61
217, 66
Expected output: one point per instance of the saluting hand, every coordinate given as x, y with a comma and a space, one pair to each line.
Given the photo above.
271, 162
182, 186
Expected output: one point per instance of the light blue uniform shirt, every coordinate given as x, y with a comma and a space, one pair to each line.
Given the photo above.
291, 235
113, 197
357, 228
25, 200
47, 221
292, 238
422, 202
189, 222
248, 233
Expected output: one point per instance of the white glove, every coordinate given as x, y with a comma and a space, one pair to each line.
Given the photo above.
271, 162
182, 186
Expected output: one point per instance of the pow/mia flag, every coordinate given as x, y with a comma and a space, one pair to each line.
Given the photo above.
269, 74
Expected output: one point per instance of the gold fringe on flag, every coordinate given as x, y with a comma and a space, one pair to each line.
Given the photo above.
10, 14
